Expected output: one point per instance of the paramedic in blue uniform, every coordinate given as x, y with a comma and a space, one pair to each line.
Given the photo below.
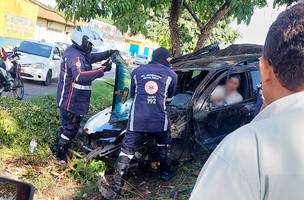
74, 86
152, 87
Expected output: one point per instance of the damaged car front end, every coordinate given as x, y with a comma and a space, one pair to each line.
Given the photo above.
192, 117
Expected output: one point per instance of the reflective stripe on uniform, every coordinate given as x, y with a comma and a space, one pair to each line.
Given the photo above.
64, 79
127, 155
133, 106
64, 137
77, 77
169, 100
168, 82
82, 87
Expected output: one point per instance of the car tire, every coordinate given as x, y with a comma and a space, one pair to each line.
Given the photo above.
48, 79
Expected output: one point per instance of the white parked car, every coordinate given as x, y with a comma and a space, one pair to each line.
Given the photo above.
141, 60
40, 61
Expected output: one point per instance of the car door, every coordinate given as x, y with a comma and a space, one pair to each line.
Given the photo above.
56, 60
255, 79
121, 102
212, 124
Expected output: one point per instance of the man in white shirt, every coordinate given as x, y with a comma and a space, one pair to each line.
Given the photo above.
264, 160
227, 94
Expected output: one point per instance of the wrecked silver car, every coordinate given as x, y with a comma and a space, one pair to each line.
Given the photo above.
191, 114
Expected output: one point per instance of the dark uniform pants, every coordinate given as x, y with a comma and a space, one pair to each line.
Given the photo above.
69, 125
133, 140
130, 144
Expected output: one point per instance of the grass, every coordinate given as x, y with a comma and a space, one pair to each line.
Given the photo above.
38, 118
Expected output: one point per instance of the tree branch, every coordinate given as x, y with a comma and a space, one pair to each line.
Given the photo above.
173, 25
205, 31
192, 13
220, 13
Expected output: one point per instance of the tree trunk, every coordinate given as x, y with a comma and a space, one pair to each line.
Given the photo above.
206, 30
173, 26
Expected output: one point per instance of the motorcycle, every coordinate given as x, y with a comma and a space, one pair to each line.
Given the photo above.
10, 79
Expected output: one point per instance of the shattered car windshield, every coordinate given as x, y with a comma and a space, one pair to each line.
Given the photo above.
121, 101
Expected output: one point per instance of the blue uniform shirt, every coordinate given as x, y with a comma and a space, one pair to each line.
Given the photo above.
76, 76
152, 86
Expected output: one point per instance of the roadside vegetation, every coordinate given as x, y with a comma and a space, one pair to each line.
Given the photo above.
38, 118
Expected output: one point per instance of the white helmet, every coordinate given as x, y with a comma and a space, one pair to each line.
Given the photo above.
81, 35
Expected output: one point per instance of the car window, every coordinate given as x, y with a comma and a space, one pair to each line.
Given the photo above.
196, 78
143, 57
195, 73
35, 49
56, 52
218, 97
256, 80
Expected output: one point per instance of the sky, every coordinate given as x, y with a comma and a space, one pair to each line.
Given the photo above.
255, 32
260, 22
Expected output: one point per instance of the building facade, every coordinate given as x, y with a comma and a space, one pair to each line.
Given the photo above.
31, 20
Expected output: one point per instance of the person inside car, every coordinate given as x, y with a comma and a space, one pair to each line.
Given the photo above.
265, 158
227, 94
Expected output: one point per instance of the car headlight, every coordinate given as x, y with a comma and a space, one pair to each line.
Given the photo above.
37, 65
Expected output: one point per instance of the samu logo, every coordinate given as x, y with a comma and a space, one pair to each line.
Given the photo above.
151, 87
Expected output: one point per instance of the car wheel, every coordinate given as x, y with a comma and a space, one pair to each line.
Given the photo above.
48, 79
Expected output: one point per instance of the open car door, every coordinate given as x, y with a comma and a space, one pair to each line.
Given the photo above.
213, 123
121, 102
110, 119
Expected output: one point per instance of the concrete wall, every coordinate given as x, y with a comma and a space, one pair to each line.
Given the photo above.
52, 31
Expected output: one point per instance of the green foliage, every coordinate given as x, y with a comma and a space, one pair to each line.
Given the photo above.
38, 118
20, 121
135, 15
150, 17
102, 94
189, 32
87, 170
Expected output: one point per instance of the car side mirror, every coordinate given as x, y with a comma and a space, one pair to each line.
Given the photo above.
56, 57
13, 189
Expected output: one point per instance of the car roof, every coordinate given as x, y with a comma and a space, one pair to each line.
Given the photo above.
41, 42
220, 59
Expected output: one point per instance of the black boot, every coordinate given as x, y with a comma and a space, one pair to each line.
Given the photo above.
121, 170
166, 174
62, 145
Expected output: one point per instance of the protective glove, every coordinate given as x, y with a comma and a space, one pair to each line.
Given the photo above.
107, 66
111, 51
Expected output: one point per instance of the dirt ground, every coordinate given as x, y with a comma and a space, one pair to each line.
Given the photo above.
55, 183
149, 186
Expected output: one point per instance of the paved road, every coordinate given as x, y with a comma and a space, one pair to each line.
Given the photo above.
34, 88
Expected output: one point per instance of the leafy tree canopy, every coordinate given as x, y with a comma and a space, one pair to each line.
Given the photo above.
200, 21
